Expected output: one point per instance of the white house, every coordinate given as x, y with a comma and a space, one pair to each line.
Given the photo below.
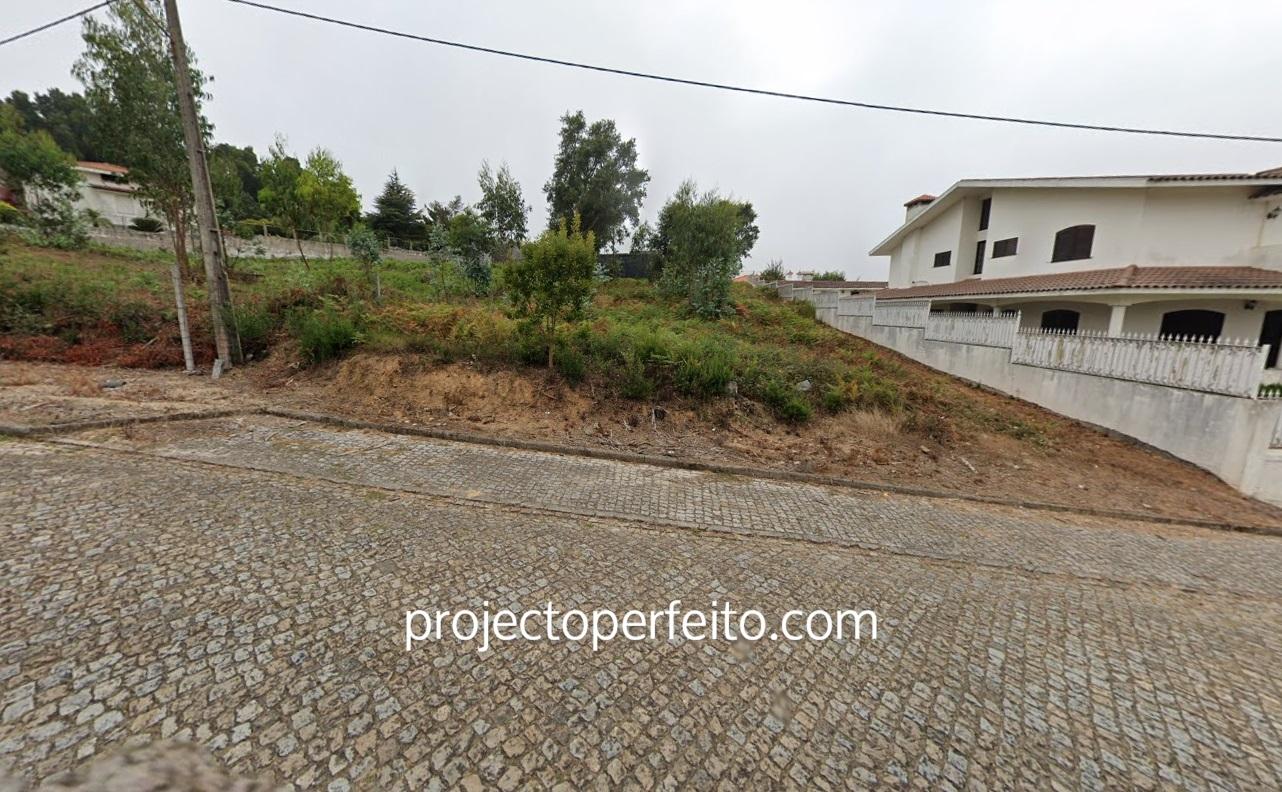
106, 190
1172, 255
1147, 305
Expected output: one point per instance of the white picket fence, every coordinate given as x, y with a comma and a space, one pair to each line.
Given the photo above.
901, 313
981, 329
856, 305
1229, 367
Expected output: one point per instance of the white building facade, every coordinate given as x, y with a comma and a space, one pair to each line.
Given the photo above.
1177, 255
1150, 306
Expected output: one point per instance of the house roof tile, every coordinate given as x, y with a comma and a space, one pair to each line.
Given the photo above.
833, 284
103, 166
1094, 280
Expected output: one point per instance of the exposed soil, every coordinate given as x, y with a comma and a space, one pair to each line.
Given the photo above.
1079, 466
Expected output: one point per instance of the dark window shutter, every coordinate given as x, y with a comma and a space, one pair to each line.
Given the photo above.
1005, 247
1074, 243
944, 259
985, 209
979, 257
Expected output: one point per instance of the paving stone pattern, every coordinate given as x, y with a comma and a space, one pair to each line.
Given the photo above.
1046, 541
254, 607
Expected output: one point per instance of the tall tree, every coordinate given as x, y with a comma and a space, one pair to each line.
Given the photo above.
279, 175
440, 214
329, 201
130, 88
31, 160
503, 206
234, 173
396, 214
596, 177
67, 117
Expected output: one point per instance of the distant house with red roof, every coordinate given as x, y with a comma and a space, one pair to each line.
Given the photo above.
105, 190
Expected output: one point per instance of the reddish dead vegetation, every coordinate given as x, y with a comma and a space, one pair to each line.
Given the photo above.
105, 345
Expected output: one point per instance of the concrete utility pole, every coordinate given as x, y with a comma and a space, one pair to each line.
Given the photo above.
226, 339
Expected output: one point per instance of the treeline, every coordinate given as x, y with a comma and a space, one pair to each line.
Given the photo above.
127, 114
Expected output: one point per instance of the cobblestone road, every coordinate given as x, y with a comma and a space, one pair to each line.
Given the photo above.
247, 592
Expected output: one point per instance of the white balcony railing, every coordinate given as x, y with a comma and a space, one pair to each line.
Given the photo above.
901, 313
1230, 367
981, 329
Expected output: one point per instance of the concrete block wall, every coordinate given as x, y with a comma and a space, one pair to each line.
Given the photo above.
1226, 435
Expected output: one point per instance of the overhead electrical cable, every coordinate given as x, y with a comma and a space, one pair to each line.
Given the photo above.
761, 91
55, 23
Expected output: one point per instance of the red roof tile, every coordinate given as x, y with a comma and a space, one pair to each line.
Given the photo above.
103, 166
1094, 280
921, 199
831, 284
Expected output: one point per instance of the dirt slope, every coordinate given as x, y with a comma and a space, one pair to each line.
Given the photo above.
1078, 466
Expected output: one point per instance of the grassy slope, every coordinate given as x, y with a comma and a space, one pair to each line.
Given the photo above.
112, 306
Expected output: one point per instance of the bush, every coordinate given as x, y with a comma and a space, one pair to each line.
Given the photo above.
12, 215
324, 334
554, 279
786, 402
58, 223
149, 224
703, 239
256, 324
774, 272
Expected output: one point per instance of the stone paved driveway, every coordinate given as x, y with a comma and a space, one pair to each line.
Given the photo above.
242, 584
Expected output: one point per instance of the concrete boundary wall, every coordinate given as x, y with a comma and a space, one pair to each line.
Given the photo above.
271, 247
1226, 435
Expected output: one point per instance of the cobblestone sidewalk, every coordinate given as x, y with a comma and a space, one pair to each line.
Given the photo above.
246, 593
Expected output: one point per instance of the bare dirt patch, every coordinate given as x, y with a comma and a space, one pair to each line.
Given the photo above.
1076, 465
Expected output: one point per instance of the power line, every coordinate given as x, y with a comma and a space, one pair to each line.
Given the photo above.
761, 91
56, 22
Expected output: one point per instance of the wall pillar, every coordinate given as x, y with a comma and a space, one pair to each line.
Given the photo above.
1116, 318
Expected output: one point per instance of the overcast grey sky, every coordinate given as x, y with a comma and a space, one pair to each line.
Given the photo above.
827, 182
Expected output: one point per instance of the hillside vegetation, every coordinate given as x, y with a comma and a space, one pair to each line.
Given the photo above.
109, 306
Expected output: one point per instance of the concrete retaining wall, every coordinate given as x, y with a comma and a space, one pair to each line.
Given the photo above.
1227, 435
258, 247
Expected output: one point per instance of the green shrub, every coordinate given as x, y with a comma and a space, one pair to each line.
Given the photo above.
786, 402
324, 334
256, 324
569, 361
136, 320
702, 369
149, 224
12, 215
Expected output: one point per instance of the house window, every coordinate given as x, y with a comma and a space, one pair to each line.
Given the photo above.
1192, 323
979, 257
1061, 320
1005, 247
1074, 243
944, 259
1271, 334
985, 209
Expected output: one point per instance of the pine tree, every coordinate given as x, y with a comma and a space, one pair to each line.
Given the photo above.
395, 214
